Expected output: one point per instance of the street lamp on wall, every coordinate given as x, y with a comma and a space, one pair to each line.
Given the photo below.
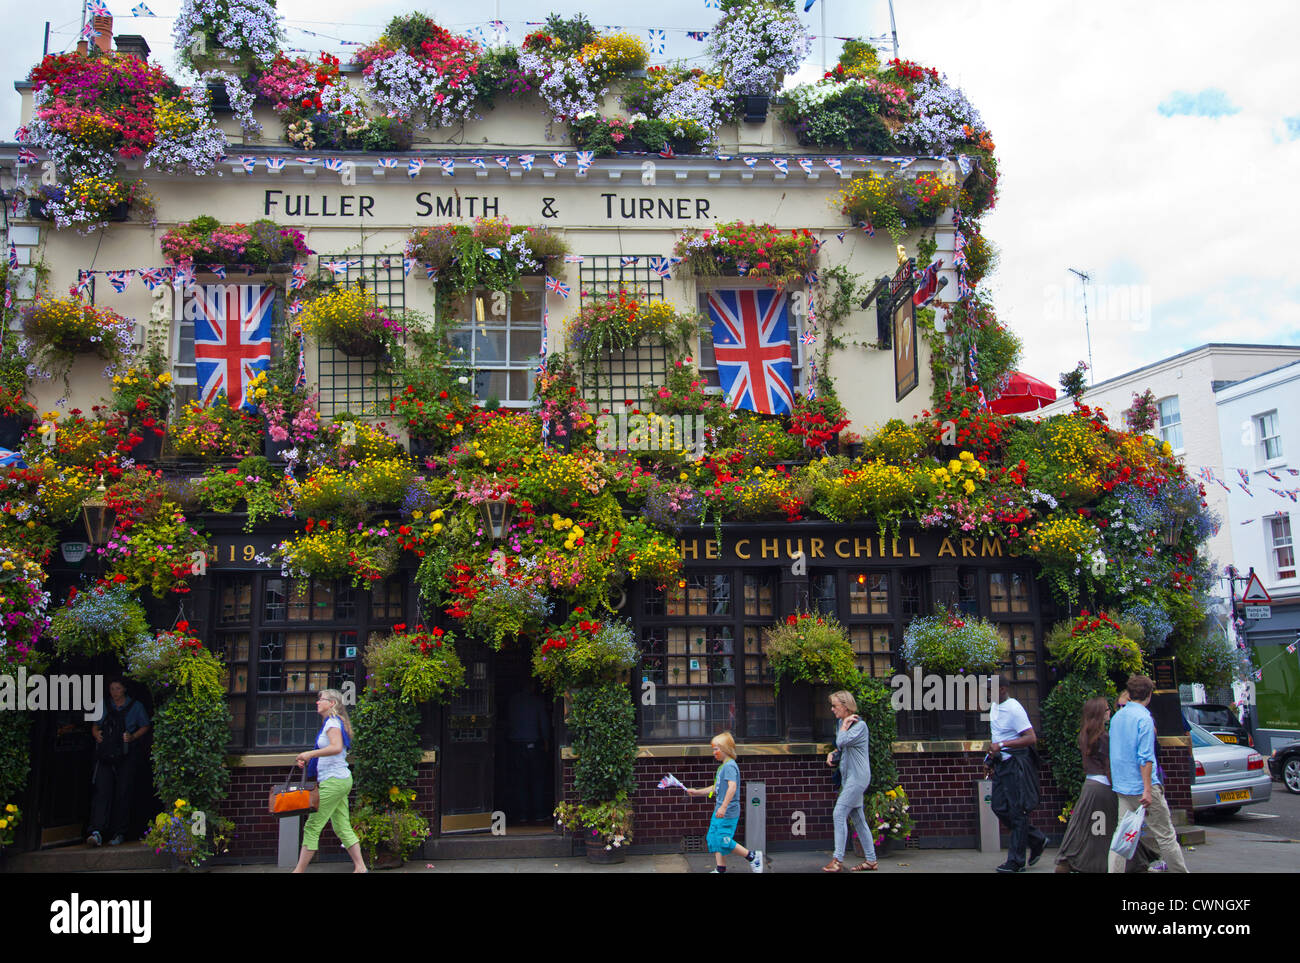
98, 516
496, 511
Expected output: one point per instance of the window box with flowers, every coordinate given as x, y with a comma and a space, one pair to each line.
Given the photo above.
491, 253
205, 242
749, 250
571, 65
621, 321
17, 415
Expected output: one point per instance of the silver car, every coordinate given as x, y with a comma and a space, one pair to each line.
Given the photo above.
1227, 777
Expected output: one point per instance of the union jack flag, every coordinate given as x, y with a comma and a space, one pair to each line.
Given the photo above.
97, 8
806, 164
661, 267
218, 269
835, 164
414, 166
558, 286
503, 162
9, 301
809, 336
493, 252
751, 341
333, 163
308, 161
89, 32
232, 339
585, 157
667, 151
573, 259
629, 260
407, 264
560, 160
841, 236
152, 277
526, 161
697, 34
812, 380
275, 164
478, 162
248, 163
13, 256
119, 279
742, 268
1245, 476
26, 156
448, 166
1272, 475
722, 157
750, 161
812, 309
388, 162
781, 164
811, 277
658, 41
430, 272
298, 277
140, 10
84, 281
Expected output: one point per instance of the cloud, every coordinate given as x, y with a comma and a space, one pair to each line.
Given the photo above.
1211, 102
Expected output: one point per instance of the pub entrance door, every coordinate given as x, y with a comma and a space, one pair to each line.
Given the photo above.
467, 764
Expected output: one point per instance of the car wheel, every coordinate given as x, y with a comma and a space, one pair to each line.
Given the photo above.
1291, 774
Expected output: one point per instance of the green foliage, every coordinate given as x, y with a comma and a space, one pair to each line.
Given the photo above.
15, 754
1095, 647
1059, 738
603, 725
873, 698
190, 733
610, 821
417, 667
385, 745
394, 827
952, 643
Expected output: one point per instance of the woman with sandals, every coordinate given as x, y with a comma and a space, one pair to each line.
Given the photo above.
851, 741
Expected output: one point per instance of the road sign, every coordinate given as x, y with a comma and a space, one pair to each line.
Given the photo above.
1255, 591
1259, 612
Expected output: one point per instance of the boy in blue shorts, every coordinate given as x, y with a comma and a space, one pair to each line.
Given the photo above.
726, 789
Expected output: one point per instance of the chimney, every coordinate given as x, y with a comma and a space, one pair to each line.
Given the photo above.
134, 45
103, 38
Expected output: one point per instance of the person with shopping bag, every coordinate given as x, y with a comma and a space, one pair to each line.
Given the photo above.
328, 764
1135, 776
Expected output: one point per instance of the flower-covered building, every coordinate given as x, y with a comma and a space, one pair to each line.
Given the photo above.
446, 369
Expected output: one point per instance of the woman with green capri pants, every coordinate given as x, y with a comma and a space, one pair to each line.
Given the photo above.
329, 760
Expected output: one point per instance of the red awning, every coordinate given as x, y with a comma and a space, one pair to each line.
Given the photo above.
1022, 394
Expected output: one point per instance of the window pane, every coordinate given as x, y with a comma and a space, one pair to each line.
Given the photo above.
525, 345
758, 595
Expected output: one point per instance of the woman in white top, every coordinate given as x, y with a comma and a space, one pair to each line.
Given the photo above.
330, 761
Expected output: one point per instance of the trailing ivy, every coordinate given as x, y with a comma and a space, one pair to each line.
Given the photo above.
603, 724
190, 732
386, 745
1062, 712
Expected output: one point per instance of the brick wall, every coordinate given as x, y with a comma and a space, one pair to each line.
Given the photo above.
258, 833
941, 787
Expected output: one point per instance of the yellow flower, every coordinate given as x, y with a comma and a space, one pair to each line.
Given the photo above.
11, 808
969, 486
179, 804
3, 822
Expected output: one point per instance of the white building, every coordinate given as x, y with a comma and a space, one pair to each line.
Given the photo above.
1184, 386
1259, 424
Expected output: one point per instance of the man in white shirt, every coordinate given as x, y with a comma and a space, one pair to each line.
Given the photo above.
1014, 767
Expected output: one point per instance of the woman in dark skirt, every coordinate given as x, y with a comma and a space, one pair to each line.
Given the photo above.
1086, 846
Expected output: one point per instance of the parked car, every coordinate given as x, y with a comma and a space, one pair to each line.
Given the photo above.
1227, 777
1221, 722
1284, 764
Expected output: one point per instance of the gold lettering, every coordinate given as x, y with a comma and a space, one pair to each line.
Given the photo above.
911, 548
693, 547
745, 554
841, 552
798, 548
774, 547
859, 545
897, 553
882, 546
249, 553
710, 548
816, 545
991, 547
945, 548
967, 547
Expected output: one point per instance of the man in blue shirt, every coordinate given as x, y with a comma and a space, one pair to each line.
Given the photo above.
1135, 776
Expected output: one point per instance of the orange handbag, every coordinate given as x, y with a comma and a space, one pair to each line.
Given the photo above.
294, 797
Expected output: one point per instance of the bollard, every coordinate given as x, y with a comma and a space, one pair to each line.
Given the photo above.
756, 816
990, 829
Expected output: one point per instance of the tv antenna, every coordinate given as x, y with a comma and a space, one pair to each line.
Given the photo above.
1087, 330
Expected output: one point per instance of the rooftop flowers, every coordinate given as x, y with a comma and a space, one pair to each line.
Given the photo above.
247, 29
422, 72
756, 43
571, 65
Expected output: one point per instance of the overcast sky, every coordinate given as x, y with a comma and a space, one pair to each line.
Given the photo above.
1151, 145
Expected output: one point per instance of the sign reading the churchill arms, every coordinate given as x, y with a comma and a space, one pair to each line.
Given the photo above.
832, 546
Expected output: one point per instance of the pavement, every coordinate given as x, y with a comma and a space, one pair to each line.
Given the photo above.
1224, 851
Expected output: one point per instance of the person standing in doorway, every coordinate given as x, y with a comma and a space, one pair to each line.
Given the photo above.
328, 762
1135, 774
122, 724
527, 731
725, 791
1013, 764
851, 741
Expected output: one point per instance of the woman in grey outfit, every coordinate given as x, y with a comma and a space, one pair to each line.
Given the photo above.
851, 739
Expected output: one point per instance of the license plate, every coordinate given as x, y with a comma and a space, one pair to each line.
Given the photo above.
1224, 737
1234, 795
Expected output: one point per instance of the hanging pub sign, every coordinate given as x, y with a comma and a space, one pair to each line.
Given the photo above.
906, 366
